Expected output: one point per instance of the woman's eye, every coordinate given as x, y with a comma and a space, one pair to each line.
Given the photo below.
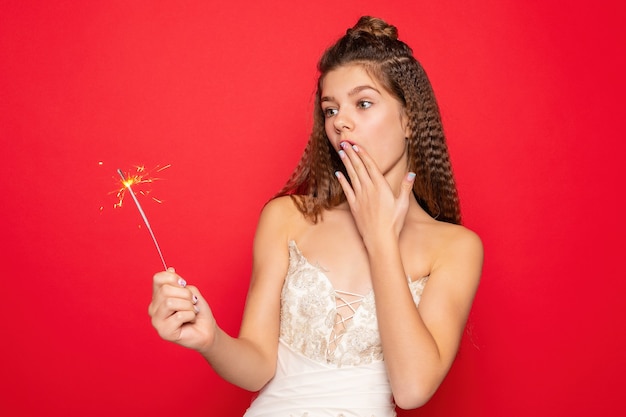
330, 112
364, 104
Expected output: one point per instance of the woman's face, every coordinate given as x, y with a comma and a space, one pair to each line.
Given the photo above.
358, 110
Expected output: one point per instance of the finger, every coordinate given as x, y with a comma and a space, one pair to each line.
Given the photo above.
367, 172
354, 166
406, 188
368, 164
171, 328
347, 162
173, 305
407, 184
345, 185
196, 297
175, 299
163, 307
163, 296
167, 277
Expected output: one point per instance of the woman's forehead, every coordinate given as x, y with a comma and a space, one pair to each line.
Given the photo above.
347, 78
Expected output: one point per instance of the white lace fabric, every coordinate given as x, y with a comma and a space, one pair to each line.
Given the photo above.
330, 359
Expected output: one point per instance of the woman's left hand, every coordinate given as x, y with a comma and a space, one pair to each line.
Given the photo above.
374, 206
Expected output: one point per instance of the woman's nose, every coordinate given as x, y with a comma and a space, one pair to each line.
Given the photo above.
343, 123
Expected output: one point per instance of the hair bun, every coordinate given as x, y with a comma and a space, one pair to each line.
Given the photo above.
374, 26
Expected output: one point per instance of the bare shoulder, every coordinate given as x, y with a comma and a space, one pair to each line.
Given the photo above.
280, 217
460, 238
284, 203
281, 207
279, 211
459, 252
440, 248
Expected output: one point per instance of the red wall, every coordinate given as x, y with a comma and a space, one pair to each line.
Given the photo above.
532, 94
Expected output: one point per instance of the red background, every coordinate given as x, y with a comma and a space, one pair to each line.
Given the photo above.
531, 93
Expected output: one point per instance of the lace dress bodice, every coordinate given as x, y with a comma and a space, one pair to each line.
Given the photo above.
308, 316
330, 358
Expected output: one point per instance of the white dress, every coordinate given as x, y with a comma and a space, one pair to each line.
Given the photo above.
329, 364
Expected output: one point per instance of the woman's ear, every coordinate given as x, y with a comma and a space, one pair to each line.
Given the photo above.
404, 119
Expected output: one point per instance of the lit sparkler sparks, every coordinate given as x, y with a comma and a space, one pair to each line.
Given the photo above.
128, 181
141, 177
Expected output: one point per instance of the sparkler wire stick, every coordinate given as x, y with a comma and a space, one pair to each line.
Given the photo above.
127, 184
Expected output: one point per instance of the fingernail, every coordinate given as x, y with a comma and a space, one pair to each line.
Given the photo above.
195, 299
196, 309
356, 148
171, 269
411, 176
337, 174
342, 154
182, 282
344, 144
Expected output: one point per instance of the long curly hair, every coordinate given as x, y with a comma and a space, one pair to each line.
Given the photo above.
374, 44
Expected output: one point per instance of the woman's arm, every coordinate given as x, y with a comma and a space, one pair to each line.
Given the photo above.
421, 343
248, 361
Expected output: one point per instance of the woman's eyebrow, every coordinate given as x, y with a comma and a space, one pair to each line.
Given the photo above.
352, 92
360, 88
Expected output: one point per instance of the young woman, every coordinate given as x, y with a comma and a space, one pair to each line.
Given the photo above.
362, 277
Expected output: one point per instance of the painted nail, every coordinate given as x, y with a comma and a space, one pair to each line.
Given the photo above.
337, 174
196, 309
195, 299
411, 176
342, 154
344, 144
356, 148
182, 282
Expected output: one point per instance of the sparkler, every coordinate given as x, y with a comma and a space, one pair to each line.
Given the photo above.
127, 184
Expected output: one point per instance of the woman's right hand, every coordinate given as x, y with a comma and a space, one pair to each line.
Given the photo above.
179, 312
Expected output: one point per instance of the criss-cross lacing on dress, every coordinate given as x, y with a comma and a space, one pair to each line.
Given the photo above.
343, 306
